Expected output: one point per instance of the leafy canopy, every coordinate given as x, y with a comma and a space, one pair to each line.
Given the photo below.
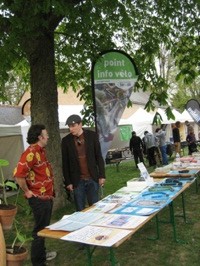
82, 29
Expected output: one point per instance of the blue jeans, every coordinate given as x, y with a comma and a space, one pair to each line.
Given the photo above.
86, 189
42, 210
163, 150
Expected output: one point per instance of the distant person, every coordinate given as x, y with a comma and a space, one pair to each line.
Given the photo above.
161, 135
136, 147
82, 162
189, 127
35, 177
177, 137
191, 140
150, 143
157, 152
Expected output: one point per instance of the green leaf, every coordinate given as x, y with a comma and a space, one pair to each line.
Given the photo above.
4, 162
11, 184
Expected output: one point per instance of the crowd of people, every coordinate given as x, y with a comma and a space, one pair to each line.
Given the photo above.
154, 147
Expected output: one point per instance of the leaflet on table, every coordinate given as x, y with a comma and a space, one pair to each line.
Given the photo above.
118, 198
164, 187
135, 210
154, 194
102, 207
75, 221
129, 195
137, 186
142, 202
145, 174
120, 221
127, 190
188, 173
98, 236
193, 166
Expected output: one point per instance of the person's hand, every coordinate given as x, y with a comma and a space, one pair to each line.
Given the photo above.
102, 181
70, 187
29, 194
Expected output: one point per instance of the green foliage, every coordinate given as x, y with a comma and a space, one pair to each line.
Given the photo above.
139, 28
5, 183
20, 237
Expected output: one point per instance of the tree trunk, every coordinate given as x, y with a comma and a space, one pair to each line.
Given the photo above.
44, 102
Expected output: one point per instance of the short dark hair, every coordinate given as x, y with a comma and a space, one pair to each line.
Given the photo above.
177, 123
34, 132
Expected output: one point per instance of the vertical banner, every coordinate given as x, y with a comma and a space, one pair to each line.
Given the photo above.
193, 108
113, 78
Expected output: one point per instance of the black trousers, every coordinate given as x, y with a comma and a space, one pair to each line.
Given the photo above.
138, 155
151, 156
42, 210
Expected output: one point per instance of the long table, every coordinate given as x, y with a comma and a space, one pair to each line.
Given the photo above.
90, 249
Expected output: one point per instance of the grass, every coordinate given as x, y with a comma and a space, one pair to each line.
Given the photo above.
139, 250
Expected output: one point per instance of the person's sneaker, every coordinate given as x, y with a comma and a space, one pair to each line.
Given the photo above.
51, 255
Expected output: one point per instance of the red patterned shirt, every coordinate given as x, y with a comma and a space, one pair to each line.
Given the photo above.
34, 167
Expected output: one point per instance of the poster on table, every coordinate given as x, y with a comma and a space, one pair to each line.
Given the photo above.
193, 108
98, 236
114, 75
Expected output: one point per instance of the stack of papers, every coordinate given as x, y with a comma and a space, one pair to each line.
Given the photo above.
75, 221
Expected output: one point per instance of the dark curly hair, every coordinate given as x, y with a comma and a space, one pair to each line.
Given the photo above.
34, 132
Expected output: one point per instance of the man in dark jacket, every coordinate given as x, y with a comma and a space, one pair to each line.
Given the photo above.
177, 137
82, 163
136, 148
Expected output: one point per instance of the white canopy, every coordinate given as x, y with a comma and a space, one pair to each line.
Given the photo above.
187, 116
166, 120
141, 116
11, 142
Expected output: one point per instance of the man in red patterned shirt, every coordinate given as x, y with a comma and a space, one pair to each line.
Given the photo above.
35, 177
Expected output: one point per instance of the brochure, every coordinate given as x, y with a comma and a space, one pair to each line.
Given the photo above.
144, 174
75, 221
116, 198
98, 236
135, 210
120, 221
137, 186
102, 207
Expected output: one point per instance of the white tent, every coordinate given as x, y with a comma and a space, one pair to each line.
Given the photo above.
12, 145
186, 116
141, 121
141, 116
166, 120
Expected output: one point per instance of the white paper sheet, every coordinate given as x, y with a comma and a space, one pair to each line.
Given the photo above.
98, 236
120, 221
75, 221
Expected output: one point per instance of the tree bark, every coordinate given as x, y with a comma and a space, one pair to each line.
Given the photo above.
44, 102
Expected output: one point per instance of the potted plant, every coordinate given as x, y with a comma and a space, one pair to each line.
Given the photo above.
16, 253
7, 211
